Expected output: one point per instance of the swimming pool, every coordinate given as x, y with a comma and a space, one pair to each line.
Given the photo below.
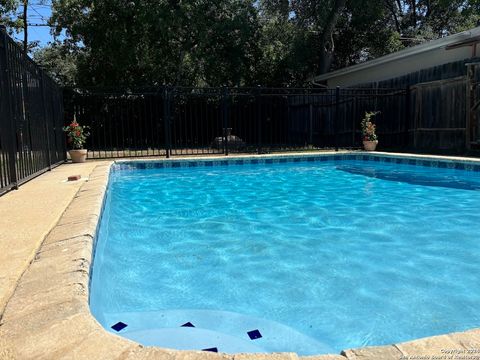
309, 254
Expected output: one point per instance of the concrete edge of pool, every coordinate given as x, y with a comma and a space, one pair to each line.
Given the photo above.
48, 316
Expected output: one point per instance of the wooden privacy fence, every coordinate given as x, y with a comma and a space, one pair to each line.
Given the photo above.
445, 114
444, 107
473, 105
439, 114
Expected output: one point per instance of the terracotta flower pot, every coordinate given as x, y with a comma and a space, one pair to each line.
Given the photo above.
78, 156
370, 145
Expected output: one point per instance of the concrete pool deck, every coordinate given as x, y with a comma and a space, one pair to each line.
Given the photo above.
46, 242
26, 217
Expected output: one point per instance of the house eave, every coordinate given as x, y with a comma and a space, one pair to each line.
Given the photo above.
465, 38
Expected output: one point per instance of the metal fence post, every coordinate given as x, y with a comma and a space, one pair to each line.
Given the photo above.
259, 122
166, 121
225, 120
45, 119
337, 116
310, 122
354, 120
9, 120
59, 119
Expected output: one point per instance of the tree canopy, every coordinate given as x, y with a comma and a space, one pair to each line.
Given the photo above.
233, 42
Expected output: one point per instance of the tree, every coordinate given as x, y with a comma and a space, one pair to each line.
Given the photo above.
365, 31
297, 39
9, 15
353, 31
321, 18
14, 15
191, 42
236, 42
327, 45
59, 62
423, 20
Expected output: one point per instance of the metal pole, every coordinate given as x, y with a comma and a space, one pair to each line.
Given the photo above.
45, 119
337, 116
225, 120
310, 122
354, 120
9, 118
259, 122
59, 125
166, 120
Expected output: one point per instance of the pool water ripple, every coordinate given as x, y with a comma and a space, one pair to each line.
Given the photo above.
348, 253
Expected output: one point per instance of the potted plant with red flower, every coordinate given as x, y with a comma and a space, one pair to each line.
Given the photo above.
77, 136
370, 138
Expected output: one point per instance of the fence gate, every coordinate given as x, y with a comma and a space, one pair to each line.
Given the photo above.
439, 115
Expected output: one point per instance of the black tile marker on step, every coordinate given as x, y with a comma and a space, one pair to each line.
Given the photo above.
214, 349
119, 326
188, 324
254, 334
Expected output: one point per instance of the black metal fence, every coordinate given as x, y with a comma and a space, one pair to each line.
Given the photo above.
31, 117
191, 121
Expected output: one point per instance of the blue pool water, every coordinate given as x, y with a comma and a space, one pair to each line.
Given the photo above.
316, 256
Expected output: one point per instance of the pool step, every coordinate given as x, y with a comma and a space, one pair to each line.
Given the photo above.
207, 329
186, 338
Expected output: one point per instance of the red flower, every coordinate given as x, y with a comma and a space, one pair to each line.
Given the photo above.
77, 133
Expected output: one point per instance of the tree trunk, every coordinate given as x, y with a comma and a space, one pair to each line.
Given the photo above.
327, 46
392, 6
414, 14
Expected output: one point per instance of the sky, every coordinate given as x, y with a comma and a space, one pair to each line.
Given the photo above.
38, 13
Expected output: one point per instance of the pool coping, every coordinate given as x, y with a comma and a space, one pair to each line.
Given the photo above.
48, 315
447, 162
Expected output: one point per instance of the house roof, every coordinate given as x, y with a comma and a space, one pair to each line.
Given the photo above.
465, 38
